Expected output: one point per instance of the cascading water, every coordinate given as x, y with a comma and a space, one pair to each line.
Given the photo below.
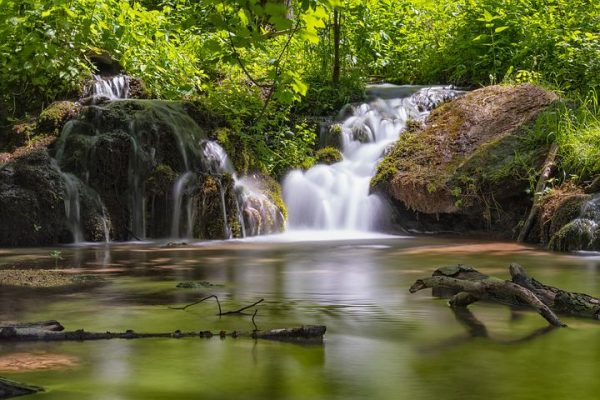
178, 194
72, 205
111, 88
582, 233
256, 212
336, 197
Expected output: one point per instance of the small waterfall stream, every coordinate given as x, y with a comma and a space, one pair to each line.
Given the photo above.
178, 193
111, 88
336, 197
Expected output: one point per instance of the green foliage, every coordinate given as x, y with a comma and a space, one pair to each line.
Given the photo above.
275, 141
56, 255
267, 64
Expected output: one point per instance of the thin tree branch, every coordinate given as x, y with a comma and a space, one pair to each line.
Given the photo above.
198, 302
241, 310
254, 323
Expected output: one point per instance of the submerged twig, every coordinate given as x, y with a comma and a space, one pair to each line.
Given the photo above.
254, 323
239, 311
198, 302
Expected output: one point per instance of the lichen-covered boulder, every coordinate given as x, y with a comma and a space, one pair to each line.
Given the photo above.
467, 167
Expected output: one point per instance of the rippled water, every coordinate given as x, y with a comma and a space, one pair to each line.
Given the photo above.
381, 343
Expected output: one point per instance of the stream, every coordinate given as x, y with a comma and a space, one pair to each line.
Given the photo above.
381, 342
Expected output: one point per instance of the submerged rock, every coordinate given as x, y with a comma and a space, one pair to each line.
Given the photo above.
467, 167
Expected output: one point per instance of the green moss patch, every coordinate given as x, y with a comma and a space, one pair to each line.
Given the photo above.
328, 155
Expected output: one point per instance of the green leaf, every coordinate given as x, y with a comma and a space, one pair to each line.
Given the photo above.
500, 29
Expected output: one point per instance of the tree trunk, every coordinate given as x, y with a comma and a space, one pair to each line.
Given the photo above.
336, 46
539, 189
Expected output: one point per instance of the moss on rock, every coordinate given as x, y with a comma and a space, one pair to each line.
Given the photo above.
52, 120
328, 155
31, 202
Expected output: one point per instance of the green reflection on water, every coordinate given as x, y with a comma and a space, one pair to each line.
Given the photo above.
382, 343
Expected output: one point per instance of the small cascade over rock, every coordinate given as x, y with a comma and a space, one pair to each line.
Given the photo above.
583, 232
109, 88
139, 169
336, 196
256, 208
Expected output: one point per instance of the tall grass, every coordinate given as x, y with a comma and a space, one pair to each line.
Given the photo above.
578, 136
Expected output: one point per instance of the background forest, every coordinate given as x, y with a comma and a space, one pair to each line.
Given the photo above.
272, 68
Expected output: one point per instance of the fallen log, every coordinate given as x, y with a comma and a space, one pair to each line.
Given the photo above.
35, 334
10, 389
492, 289
561, 301
465, 285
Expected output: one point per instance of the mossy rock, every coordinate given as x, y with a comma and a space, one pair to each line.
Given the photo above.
52, 120
557, 208
472, 157
237, 149
210, 223
161, 180
31, 202
335, 136
137, 89
328, 155
579, 234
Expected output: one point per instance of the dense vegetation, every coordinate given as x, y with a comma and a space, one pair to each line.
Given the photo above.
272, 65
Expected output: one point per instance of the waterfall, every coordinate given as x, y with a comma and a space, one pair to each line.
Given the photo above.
336, 197
178, 192
256, 212
138, 169
72, 205
111, 88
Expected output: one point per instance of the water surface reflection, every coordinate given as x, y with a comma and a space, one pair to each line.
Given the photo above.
382, 342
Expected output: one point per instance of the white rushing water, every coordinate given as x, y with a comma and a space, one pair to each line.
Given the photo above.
336, 197
111, 88
256, 213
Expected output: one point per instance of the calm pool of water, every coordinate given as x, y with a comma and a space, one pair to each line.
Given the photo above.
381, 342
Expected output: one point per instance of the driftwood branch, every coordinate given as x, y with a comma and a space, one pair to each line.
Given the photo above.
493, 289
465, 285
547, 170
241, 310
561, 301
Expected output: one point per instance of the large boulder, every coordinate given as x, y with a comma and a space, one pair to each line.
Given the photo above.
468, 167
